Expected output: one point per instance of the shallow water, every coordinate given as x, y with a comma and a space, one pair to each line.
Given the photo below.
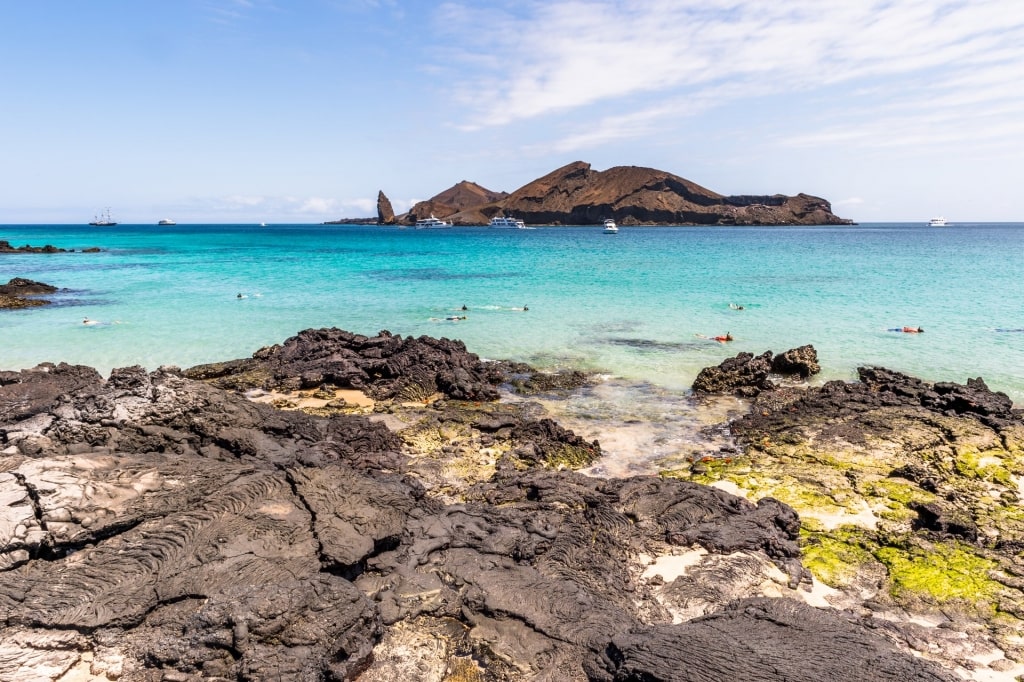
632, 305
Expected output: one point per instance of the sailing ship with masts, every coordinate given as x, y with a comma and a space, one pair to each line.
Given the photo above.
103, 220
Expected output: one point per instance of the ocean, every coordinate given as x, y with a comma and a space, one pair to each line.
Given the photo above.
634, 306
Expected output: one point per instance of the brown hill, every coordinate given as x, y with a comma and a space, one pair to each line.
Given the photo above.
578, 195
457, 198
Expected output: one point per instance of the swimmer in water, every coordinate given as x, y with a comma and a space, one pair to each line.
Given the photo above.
735, 307
464, 307
456, 318
525, 308
907, 330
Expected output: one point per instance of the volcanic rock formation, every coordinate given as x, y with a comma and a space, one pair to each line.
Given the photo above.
157, 527
13, 294
463, 196
578, 195
385, 214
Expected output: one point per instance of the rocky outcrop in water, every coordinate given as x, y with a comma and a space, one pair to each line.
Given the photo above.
159, 527
385, 213
747, 375
5, 247
14, 293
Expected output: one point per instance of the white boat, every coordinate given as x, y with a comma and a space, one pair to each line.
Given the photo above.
937, 222
505, 222
167, 221
431, 223
103, 220
610, 227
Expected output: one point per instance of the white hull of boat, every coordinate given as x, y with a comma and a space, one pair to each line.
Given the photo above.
505, 223
432, 223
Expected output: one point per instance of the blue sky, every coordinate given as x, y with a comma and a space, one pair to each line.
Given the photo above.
301, 110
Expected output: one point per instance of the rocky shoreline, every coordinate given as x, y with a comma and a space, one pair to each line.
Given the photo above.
252, 520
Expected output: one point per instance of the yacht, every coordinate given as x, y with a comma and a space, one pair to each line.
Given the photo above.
431, 223
937, 222
103, 220
167, 221
507, 223
610, 227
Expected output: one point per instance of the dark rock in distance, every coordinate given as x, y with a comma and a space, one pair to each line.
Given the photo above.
385, 213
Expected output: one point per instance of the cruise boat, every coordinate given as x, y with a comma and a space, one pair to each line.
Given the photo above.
507, 223
103, 220
610, 227
937, 222
431, 223
167, 221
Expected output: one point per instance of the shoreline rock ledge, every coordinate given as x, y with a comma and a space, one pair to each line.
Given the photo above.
155, 526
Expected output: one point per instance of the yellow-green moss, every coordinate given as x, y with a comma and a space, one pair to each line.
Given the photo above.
462, 669
570, 457
944, 573
969, 463
897, 492
834, 558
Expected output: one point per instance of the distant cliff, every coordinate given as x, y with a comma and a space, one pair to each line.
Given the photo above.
578, 195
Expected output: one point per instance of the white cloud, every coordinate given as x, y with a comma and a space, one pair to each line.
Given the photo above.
907, 58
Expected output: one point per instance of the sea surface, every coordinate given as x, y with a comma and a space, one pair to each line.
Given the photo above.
635, 306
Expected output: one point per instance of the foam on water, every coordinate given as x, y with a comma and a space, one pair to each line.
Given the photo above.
644, 428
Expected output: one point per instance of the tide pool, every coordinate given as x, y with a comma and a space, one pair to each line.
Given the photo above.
633, 305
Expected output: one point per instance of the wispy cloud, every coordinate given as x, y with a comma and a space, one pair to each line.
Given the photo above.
949, 58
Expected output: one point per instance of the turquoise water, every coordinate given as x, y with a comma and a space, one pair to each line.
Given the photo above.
630, 305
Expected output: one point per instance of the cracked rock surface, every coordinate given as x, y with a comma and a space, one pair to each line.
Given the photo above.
157, 527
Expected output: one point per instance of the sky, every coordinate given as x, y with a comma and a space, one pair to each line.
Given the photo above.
302, 110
